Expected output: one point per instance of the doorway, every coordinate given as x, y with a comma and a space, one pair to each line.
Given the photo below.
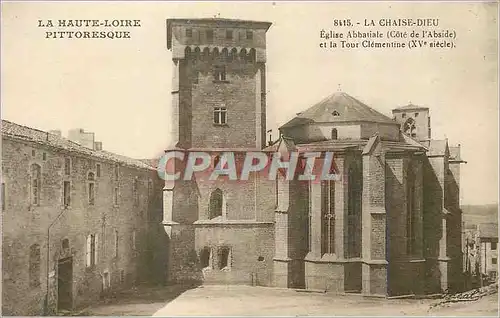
65, 284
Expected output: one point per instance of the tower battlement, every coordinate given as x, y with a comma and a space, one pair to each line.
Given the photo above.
218, 83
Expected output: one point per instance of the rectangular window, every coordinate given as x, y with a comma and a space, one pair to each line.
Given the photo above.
494, 261
117, 172
134, 246
35, 183
44, 156
115, 196
91, 194
229, 34
67, 166
224, 258
220, 74
493, 246
210, 35
189, 33
249, 35
416, 114
116, 243
3, 196
205, 256
98, 170
66, 193
220, 115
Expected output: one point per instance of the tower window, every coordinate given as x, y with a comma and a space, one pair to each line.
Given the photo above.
220, 115
66, 193
189, 33
220, 73
410, 128
224, 257
334, 133
205, 257
67, 166
229, 34
216, 204
249, 35
210, 35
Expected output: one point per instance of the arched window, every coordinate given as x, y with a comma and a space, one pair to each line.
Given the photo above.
216, 203
354, 195
335, 113
34, 265
35, 184
334, 133
327, 217
409, 127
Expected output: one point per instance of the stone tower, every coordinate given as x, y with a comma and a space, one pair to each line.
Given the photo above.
218, 106
414, 120
219, 83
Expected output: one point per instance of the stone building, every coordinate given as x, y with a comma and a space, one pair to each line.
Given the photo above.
78, 221
391, 226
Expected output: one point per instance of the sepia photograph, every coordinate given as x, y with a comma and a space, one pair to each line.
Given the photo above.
239, 158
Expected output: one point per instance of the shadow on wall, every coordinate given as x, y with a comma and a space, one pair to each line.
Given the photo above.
432, 228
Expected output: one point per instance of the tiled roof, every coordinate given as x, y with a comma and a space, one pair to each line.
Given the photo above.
437, 147
339, 107
41, 137
411, 107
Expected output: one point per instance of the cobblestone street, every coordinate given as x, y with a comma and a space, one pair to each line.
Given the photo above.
255, 301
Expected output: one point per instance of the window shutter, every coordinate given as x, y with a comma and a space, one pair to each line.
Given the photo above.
96, 248
89, 242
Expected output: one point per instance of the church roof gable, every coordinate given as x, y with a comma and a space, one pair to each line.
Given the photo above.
339, 107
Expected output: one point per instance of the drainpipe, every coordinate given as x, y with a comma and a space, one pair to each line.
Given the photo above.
46, 303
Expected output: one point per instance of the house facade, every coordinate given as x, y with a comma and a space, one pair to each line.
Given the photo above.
78, 221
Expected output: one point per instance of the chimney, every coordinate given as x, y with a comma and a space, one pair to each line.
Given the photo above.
98, 145
270, 132
81, 137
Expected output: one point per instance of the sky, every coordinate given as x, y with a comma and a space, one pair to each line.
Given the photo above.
120, 89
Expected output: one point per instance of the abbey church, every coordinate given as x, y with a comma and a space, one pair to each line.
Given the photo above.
391, 225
